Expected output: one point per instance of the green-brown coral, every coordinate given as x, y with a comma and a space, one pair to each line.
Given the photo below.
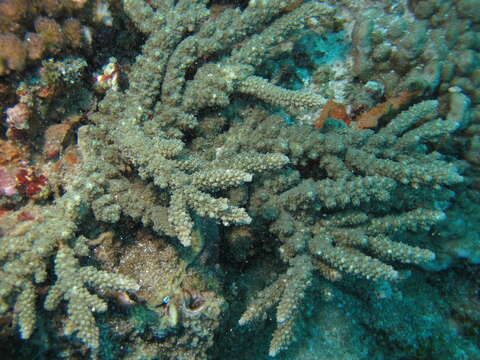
159, 152
134, 160
365, 190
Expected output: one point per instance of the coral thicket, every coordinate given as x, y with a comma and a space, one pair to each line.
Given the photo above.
327, 148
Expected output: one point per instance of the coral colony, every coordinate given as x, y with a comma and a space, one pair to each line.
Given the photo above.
194, 179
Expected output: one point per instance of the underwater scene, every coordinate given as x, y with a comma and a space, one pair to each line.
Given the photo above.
240, 179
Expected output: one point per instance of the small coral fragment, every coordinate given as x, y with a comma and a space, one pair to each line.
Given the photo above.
371, 118
334, 110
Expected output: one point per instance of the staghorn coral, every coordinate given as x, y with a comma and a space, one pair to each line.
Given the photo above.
160, 152
27, 247
135, 139
365, 190
70, 286
186, 177
288, 292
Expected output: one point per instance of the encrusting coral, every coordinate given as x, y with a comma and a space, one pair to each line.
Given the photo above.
183, 310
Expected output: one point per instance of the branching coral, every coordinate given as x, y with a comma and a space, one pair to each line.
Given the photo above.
162, 155
28, 245
365, 191
136, 136
343, 208
288, 292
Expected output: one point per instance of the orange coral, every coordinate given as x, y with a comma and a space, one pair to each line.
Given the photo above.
51, 32
370, 119
13, 53
11, 154
49, 37
334, 110
35, 45
46, 92
13, 10
55, 138
52, 7
71, 157
73, 32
